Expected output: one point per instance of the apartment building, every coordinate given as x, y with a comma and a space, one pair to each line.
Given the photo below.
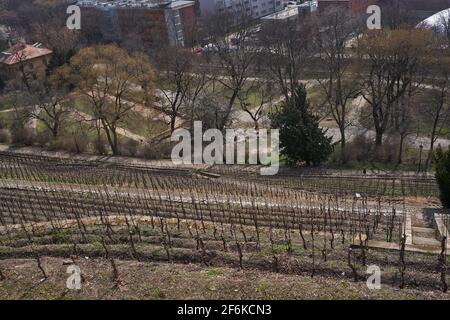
355, 6
155, 22
419, 9
253, 8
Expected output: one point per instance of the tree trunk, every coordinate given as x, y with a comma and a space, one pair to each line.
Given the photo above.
256, 124
55, 130
115, 142
343, 143
173, 120
230, 107
112, 140
400, 151
433, 138
24, 76
430, 153
378, 139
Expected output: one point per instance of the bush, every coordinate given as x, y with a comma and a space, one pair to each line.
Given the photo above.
23, 136
362, 149
443, 175
76, 143
100, 146
3, 80
388, 152
44, 138
157, 150
5, 136
130, 148
358, 150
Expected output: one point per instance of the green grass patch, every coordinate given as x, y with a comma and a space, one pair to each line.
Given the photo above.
6, 119
214, 272
142, 125
10, 100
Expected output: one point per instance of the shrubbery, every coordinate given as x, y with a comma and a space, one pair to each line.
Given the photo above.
362, 149
130, 148
23, 136
5, 136
77, 142
443, 175
157, 150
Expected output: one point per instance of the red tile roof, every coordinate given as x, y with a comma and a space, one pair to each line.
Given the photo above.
22, 52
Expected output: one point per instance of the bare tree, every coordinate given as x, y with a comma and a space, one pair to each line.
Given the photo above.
288, 44
181, 84
48, 104
25, 71
212, 110
437, 109
404, 119
336, 28
114, 82
396, 13
233, 51
261, 93
195, 90
389, 62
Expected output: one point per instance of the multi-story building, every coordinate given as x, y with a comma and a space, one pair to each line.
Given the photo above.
253, 8
418, 9
154, 22
355, 6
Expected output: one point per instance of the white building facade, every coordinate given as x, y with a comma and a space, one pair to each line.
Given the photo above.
254, 8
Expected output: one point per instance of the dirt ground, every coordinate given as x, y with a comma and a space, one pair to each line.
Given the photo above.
147, 280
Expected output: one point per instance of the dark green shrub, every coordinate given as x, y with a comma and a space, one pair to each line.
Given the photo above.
442, 159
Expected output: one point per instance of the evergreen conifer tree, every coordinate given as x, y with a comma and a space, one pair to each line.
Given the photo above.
301, 138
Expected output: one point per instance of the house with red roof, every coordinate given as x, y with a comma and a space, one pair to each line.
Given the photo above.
21, 59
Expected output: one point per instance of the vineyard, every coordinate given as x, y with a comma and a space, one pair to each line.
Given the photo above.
292, 224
